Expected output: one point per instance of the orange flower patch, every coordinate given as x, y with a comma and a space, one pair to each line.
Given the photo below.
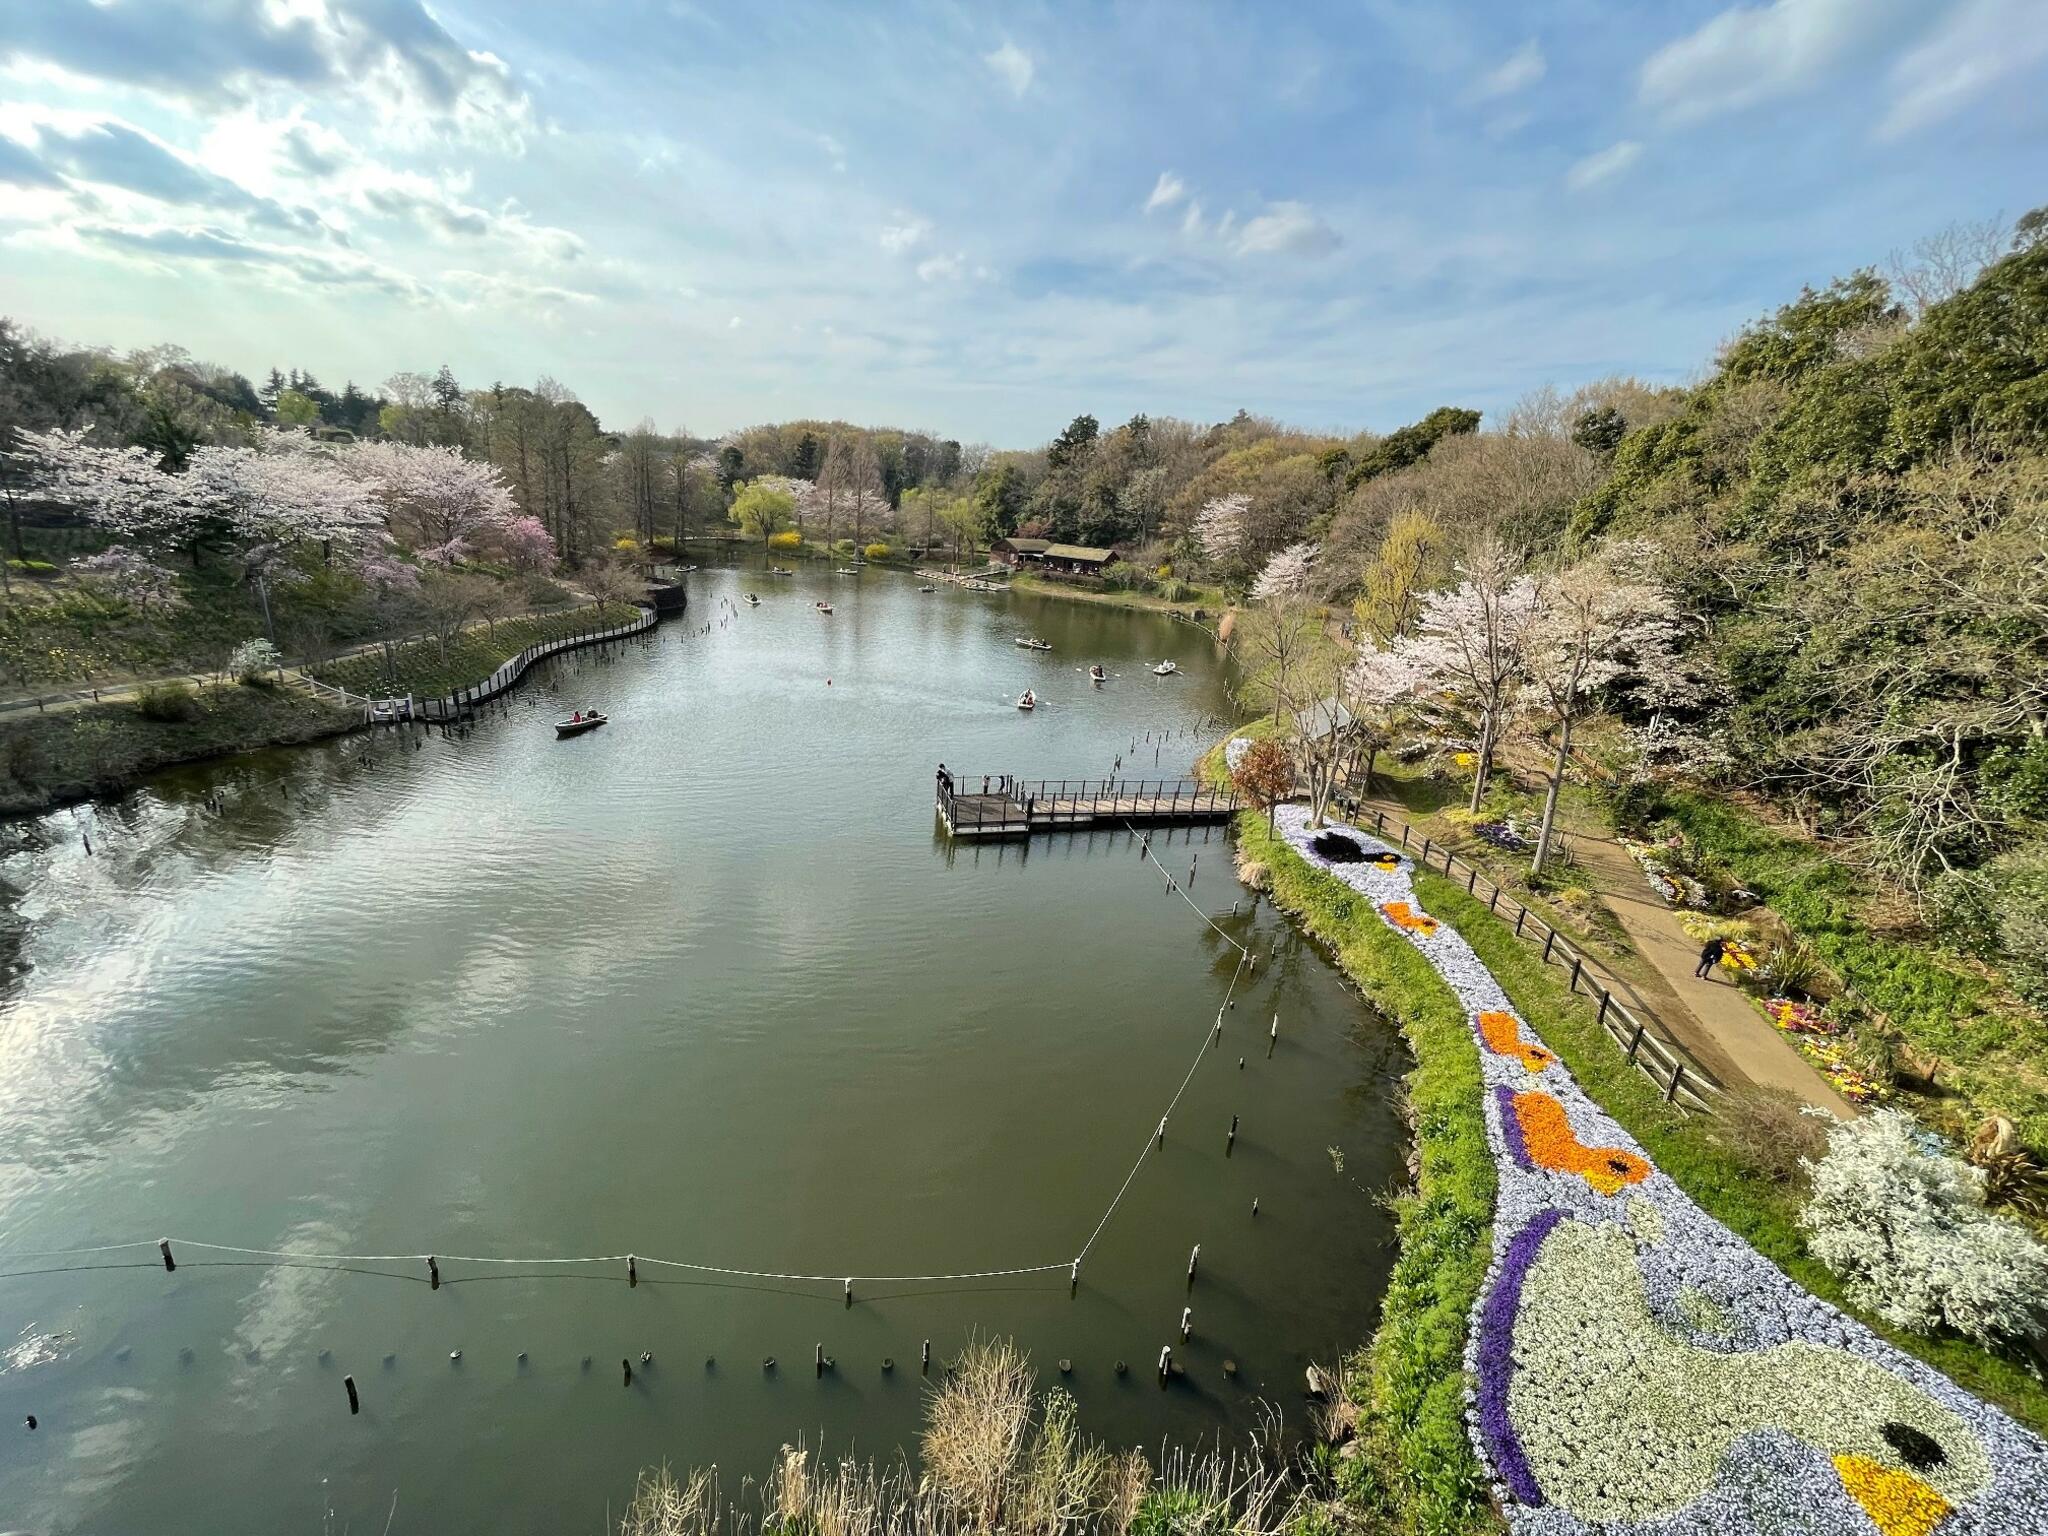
1401, 915
1553, 1144
1503, 1036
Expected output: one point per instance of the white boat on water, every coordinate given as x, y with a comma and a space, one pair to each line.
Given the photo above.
1033, 644
927, 588
1028, 701
846, 570
1096, 674
823, 607
753, 601
1165, 669
776, 570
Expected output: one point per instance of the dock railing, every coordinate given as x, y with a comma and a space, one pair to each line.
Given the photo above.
1002, 803
1642, 1036
456, 705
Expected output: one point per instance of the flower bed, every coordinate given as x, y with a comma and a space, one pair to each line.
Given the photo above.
1816, 1036
1673, 884
1633, 1366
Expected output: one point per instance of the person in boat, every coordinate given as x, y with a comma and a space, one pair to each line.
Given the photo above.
573, 719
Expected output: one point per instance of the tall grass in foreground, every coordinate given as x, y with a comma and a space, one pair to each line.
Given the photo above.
998, 1457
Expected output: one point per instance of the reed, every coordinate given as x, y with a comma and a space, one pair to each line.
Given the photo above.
997, 1456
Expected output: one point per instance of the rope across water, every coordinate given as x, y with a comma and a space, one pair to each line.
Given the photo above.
836, 1277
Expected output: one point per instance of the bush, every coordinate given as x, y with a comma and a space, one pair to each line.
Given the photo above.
32, 567
1903, 1223
788, 539
166, 703
876, 552
252, 660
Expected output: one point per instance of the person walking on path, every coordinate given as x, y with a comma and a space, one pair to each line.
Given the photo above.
1710, 956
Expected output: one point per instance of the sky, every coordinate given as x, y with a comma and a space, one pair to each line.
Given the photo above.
981, 220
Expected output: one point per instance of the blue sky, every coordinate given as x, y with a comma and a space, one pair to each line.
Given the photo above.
979, 219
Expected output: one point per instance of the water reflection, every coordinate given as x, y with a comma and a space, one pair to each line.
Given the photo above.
704, 985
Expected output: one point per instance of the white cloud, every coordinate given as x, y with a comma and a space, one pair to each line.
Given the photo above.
1520, 70
734, 323
1191, 221
1755, 53
933, 268
1982, 43
1013, 65
1603, 165
1166, 191
1284, 229
900, 237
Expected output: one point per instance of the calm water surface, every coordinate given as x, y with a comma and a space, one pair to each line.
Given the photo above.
707, 984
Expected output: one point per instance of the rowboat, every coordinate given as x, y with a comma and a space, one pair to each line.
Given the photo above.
1165, 669
589, 722
927, 589
823, 607
776, 570
753, 601
1029, 701
1096, 674
846, 570
1034, 645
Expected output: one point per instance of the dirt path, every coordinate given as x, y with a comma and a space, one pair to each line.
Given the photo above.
1713, 1018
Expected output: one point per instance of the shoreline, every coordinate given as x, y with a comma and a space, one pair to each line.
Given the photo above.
1191, 610
97, 751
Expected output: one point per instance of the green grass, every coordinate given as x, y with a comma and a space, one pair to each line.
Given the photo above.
1209, 599
422, 668
52, 759
1995, 1054
1409, 1381
1731, 1190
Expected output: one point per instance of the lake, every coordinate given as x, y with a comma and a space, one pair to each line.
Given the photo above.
708, 984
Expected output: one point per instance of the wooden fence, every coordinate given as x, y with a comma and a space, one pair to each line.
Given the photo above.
1643, 1037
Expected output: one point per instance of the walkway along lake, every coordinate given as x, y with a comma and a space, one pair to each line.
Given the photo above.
708, 985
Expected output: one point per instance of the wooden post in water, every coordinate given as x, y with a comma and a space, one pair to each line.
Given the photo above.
1193, 1259
354, 1403
849, 1290
1165, 1363
924, 1359
433, 1274
164, 1247
818, 1359
1162, 1131
632, 1271
1187, 1323
1230, 1142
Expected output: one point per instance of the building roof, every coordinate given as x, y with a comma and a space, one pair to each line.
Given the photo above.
1025, 546
1080, 552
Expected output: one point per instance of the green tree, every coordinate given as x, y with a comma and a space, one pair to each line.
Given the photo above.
295, 409
761, 511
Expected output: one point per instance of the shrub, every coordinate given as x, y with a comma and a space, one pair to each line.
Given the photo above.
1770, 1133
1903, 1223
876, 551
788, 539
166, 702
251, 660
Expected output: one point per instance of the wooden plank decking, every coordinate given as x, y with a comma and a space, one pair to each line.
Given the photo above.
1000, 805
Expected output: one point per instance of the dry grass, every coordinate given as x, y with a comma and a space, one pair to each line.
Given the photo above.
996, 1457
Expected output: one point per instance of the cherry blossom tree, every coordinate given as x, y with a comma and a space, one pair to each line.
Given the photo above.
528, 546
1220, 528
1595, 627
1287, 574
1264, 776
118, 489
1473, 640
282, 493
131, 576
1380, 687
434, 498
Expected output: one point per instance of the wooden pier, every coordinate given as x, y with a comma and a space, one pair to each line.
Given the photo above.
1000, 805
